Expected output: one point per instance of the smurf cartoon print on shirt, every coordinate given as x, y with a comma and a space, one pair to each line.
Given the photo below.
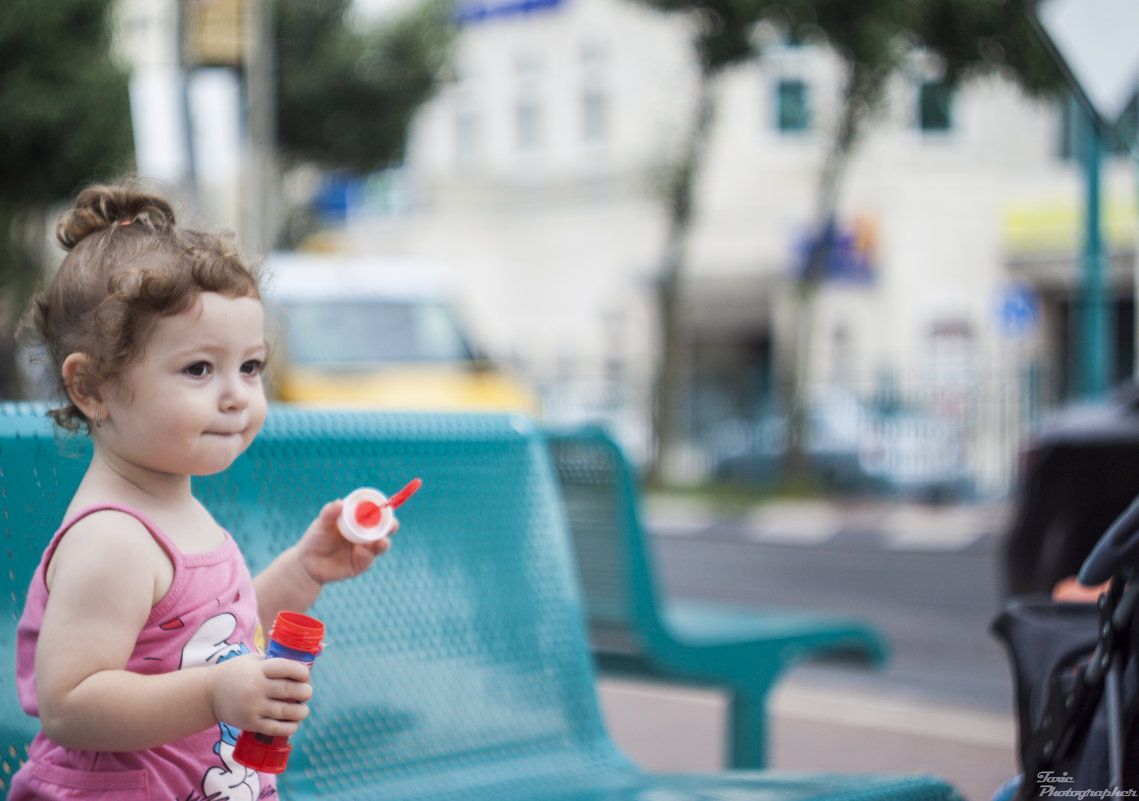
210, 645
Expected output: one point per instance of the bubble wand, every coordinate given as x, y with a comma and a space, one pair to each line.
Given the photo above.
369, 515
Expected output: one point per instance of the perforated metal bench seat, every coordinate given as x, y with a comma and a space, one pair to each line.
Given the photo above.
457, 668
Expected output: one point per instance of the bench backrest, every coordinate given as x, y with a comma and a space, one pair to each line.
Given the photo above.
459, 658
38, 475
600, 492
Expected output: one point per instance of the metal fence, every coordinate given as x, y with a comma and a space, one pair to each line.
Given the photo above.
917, 439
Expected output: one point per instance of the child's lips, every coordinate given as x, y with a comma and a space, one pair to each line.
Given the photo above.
230, 427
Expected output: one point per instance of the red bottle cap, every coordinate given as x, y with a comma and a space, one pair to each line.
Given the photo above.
369, 514
299, 632
261, 753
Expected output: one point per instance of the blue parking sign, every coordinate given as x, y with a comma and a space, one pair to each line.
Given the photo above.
1019, 311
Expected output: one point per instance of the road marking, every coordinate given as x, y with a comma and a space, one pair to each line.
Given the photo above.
932, 539
897, 526
792, 524
677, 519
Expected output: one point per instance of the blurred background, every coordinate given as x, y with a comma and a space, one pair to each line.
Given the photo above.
843, 274
826, 245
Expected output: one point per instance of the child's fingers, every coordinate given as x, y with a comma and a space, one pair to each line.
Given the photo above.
330, 512
379, 546
293, 692
279, 668
287, 692
284, 712
275, 727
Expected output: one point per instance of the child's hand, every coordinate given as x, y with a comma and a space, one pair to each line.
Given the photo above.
327, 556
262, 695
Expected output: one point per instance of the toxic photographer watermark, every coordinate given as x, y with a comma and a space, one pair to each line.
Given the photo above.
1061, 785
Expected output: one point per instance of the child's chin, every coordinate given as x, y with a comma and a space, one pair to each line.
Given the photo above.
209, 466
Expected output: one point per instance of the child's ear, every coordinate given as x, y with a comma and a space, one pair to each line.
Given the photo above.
81, 384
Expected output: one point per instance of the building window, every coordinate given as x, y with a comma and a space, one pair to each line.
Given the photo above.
466, 134
466, 121
595, 115
935, 100
793, 113
594, 96
528, 124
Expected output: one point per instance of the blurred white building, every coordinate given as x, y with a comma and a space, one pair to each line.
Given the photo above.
536, 173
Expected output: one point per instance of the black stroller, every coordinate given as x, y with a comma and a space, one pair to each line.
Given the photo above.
1076, 676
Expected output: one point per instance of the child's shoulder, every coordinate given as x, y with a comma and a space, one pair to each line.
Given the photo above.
108, 543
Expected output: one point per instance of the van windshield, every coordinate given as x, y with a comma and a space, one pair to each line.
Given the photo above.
360, 332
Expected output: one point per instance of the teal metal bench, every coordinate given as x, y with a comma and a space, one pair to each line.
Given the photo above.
635, 629
457, 669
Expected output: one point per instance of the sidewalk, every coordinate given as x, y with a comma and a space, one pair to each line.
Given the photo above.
822, 721
817, 728
899, 524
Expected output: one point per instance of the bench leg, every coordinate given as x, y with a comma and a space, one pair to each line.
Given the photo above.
748, 729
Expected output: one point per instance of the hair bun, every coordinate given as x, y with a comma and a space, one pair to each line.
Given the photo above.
101, 207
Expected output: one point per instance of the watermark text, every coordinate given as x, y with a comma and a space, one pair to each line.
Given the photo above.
1061, 785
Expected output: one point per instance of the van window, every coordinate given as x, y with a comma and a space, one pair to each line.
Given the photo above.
361, 332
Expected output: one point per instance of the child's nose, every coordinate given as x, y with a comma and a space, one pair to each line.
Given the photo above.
235, 394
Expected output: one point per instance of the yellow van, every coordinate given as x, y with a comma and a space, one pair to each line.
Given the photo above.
377, 332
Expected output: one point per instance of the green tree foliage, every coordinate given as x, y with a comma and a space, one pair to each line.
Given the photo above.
977, 37
64, 123
347, 95
64, 111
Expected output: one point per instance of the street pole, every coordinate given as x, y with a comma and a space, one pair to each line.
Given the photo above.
1094, 44
1096, 347
260, 206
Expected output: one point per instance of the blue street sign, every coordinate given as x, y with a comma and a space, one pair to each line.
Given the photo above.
1019, 311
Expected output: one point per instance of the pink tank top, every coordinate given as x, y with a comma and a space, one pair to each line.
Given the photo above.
209, 615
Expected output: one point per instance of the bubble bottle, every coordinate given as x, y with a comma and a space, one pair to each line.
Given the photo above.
293, 636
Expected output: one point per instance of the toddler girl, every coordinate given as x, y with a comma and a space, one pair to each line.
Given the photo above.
138, 644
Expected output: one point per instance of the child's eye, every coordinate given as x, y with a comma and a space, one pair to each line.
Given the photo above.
253, 367
197, 369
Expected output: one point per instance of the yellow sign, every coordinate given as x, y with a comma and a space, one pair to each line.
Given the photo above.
215, 32
1056, 225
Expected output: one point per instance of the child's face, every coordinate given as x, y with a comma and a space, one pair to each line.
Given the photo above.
193, 401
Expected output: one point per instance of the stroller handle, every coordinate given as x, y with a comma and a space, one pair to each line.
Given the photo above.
1117, 550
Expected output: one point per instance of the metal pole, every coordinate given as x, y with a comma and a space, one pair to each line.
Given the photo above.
1096, 345
260, 209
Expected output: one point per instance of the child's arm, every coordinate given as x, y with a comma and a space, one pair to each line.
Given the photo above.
294, 579
103, 585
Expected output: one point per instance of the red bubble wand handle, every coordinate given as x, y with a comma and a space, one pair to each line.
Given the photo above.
368, 513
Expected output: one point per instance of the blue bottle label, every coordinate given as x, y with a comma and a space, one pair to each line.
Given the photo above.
277, 650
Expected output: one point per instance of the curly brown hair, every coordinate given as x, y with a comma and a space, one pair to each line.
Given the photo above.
128, 263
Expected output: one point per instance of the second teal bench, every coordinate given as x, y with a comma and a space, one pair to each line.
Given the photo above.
635, 629
457, 669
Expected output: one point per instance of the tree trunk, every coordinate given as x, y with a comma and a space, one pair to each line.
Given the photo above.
864, 89
670, 330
